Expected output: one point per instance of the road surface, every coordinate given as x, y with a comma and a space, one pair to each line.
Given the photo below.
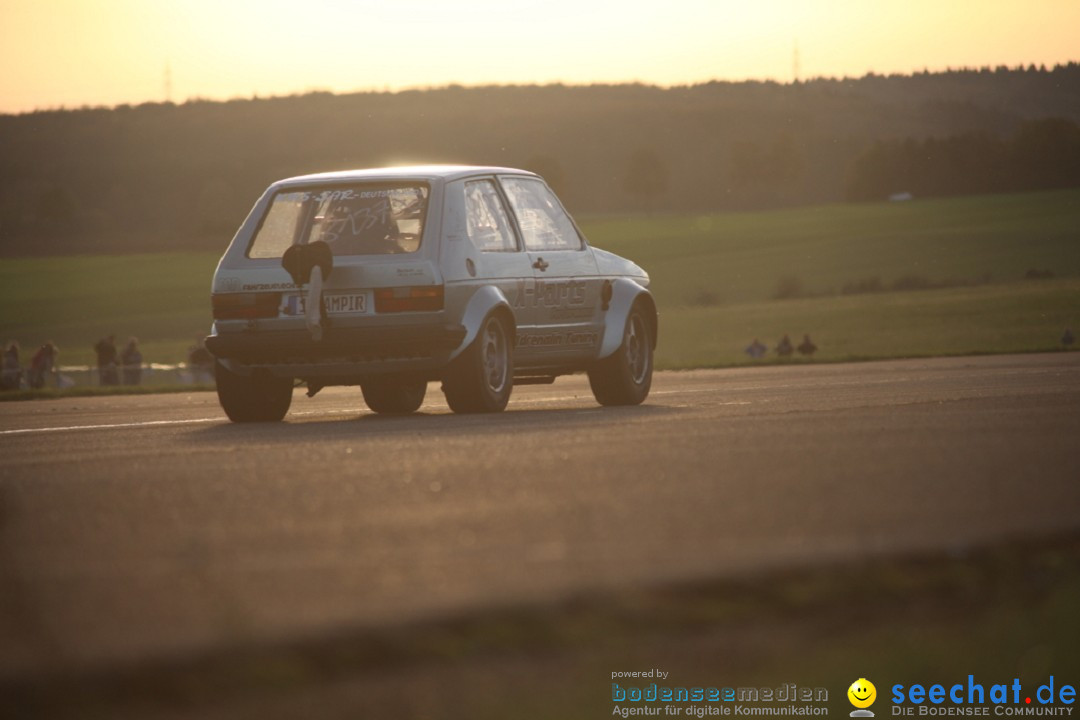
150, 527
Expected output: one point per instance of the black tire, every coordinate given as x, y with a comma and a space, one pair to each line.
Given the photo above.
390, 395
625, 377
259, 397
480, 379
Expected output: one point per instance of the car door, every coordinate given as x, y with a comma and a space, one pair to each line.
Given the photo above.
566, 299
502, 260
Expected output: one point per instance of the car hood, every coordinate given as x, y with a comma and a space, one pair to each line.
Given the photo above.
611, 264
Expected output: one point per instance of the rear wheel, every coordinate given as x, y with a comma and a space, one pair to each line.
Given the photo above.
258, 397
625, 377
393, 395
481, 378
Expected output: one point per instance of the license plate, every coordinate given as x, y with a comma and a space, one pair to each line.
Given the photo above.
338, 304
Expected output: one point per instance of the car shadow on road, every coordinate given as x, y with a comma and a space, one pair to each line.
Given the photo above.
367, 424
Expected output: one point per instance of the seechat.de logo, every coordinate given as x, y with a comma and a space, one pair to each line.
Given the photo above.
973, 698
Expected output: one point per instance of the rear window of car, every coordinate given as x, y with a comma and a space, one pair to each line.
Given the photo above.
353, 219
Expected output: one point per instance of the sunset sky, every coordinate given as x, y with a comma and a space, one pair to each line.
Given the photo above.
69, 53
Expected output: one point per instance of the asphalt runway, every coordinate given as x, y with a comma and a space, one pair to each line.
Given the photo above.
149, 526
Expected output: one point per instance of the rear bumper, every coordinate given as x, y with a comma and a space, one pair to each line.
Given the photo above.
339, 346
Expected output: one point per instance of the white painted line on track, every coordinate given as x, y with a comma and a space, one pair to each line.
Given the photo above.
155, 423
111, 426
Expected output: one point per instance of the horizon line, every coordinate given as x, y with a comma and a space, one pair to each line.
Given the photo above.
255, 96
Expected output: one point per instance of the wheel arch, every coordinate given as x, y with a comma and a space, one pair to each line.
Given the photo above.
484, 301
624, 296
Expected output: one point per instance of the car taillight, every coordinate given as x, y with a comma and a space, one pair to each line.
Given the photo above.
243, 306
409, 299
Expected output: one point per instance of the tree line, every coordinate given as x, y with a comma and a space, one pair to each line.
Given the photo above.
1040, 155
162, 176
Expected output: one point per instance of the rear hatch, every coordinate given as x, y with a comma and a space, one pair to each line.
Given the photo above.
380, 267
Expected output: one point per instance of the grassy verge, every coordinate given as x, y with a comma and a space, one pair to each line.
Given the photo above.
162, 299
997, 613
97, 391
1017, 317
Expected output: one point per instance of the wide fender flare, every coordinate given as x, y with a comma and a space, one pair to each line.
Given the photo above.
624, 293
485, 300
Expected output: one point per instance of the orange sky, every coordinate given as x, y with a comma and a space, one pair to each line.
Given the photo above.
71, 53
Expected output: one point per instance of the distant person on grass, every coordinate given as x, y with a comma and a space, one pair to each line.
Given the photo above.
807, 346
11, 378
785, 348
106, 360
1068, 339
131, 360
42, 365
756, 349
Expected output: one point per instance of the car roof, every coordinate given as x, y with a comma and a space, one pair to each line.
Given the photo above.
411, 172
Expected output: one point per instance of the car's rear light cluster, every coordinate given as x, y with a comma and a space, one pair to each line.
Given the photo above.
409, 299
245, 306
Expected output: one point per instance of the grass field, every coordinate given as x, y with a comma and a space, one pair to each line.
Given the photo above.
162, 299
714, 276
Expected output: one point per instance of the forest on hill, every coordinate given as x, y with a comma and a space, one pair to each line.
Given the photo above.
163, 176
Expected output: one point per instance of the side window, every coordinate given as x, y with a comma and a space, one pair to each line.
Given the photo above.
544, 224
489, 225
279, 226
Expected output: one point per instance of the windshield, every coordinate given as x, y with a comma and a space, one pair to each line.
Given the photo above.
356, 219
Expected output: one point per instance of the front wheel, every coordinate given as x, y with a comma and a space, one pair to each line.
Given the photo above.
394, 396
625, 377
480, 379
258, 397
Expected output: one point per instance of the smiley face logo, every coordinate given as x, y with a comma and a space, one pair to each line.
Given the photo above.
862, 693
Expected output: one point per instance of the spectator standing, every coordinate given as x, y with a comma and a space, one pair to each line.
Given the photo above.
43, 364
756, 349
131, 362
106, 360
807, 346
11, 378
785, 348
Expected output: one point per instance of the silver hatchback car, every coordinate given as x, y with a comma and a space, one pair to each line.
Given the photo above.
391, 278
